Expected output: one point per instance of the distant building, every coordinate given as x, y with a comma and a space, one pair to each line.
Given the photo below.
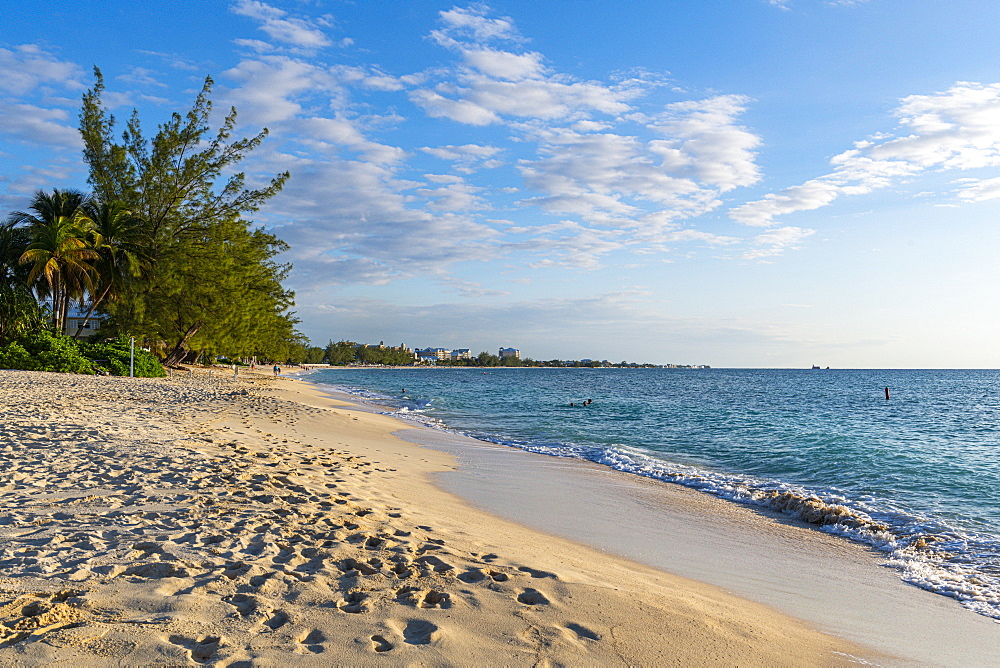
76, 317
510, 352
433, 353
461, 354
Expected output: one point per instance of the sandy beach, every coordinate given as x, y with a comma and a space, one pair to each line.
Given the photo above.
197, 520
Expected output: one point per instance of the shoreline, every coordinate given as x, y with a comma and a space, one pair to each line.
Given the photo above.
195, 520
833, 583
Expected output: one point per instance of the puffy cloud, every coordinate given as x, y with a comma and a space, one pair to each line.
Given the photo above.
355, 222
455, 197
606, 177
474, 22
26, 122
278, 26
955, 129
270, 86
25, 68
492, 84
705, 141
38, 115
505, 65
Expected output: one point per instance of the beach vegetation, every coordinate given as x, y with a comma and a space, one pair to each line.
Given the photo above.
20, 312
119, 238
113, 357
162, 250
58, 254
43, 350
340, 353
349, 352
208, 283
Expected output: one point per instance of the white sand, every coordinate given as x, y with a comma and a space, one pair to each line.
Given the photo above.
196, 521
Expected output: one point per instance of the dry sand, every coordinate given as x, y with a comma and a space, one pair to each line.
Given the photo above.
200, 520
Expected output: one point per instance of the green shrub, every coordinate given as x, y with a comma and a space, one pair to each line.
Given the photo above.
51, 352
44, 351
113, 356
14, 356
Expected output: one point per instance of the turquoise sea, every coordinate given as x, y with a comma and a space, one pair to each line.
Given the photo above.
916, 476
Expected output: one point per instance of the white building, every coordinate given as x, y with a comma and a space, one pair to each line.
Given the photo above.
75, 317
510, 352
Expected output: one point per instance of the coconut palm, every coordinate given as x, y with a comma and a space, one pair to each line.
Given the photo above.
121, 242
59, 253
19, 311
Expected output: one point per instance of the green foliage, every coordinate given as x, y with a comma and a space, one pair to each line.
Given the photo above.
58, 251
44, 351
209, 283
163, 248
14, 356
20, 313
113, 356
169, 180
341, 353
314, 355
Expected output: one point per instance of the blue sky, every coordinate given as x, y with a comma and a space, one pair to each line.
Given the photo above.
724, 182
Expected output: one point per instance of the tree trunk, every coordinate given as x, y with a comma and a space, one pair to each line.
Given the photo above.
86, 319
56, 305
177, 354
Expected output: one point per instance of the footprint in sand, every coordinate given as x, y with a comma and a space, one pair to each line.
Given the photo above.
279, 619
532, 597
420, 632
478, 575
202, 649
582, 631
245, 605
435, 564
353, 602
535, 573
313, 641
380, 644
436, 599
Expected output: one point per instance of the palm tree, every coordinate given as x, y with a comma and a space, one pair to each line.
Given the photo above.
121, 242
19, 311
59, 251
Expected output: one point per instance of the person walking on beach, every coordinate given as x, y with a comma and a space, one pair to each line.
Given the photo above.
277, 369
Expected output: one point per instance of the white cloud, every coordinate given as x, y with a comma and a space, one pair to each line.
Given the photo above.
705, 142
983, 190
467, 158
492, 84
455, 197
53, 127
278, 26
505, 65
25, 68
776, 241
356, 222
955, 129
473, 22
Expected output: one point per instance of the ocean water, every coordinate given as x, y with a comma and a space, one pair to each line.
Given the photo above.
916, 476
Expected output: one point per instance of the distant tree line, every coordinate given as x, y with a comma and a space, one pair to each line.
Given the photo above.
161, 249
344, 353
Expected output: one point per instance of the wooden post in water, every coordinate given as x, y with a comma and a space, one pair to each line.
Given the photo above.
887, 394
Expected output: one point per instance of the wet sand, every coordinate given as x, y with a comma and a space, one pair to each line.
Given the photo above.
832, 583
